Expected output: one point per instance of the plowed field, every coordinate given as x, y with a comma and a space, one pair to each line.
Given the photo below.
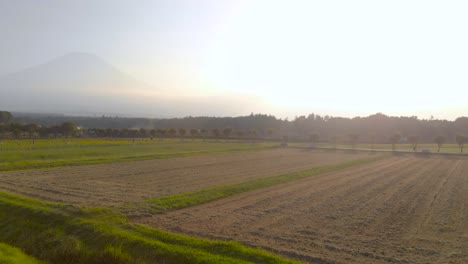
397, 210
115, 184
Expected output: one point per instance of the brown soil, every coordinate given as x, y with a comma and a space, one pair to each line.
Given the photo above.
399, 210
115, 184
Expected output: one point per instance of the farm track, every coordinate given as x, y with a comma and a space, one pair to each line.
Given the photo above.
397, 210
112, 185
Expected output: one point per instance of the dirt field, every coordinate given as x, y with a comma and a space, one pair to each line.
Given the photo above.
398, 210
114, 184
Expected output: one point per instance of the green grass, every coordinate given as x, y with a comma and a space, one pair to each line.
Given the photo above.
56, 233
17, 155
164, 204
12, 255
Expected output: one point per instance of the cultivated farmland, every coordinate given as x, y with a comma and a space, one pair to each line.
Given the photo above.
311, 205
397, 210
130, 182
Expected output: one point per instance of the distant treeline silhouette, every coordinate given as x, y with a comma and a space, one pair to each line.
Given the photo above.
377, 128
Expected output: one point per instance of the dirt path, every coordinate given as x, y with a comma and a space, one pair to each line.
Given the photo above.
115, 184
399, 210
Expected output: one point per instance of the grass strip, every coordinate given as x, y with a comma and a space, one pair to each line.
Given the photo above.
12, 255
169, 203
27, 165
56, 233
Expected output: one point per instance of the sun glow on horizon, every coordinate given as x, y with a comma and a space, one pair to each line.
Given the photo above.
353, 57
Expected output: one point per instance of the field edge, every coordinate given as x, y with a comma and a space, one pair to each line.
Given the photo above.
60, 233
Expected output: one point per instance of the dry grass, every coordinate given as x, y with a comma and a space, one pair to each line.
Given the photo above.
398, 210
133, 182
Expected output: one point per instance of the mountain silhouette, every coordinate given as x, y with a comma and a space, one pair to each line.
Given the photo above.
75, 82
85, 84
74, 72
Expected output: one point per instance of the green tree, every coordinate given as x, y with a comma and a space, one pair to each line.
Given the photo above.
5, 117
439, 140
16, 129
172, 132
227, 132
2, 130
162, 133
31, 129
68, 128
108, 132
153, 133
143, 132
414, 141
270, 132
203, 133
55, 130
116, 132
125, 132
193, 132
215, 132
182, 132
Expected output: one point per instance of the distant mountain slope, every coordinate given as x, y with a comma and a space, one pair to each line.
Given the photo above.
73, 82
74, 72
84, 84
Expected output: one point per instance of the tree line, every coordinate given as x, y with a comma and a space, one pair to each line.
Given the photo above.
374, 129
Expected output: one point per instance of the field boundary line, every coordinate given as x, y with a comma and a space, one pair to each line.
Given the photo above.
387, 151
179, 201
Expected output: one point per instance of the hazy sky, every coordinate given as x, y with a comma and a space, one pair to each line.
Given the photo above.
330, 57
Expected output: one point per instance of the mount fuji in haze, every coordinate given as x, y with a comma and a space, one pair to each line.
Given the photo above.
84, 84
